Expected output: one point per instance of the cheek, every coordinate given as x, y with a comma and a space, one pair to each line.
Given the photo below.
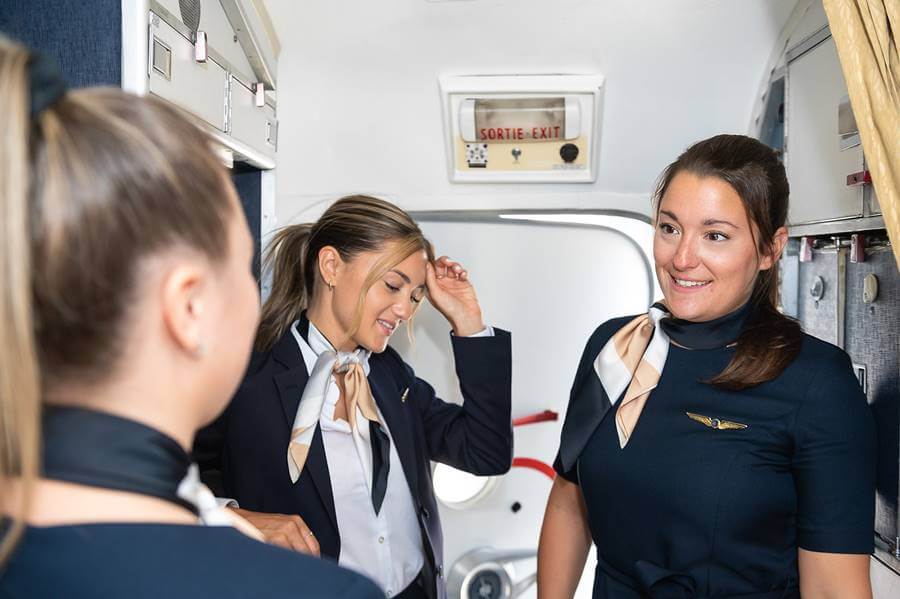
662, 252
737, 262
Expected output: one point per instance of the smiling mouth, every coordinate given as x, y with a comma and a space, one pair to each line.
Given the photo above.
688, 283
387, 326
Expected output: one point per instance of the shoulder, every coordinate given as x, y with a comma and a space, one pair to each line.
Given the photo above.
827, 387
605, 331
820, 362
265, 364
219, 560
391, 360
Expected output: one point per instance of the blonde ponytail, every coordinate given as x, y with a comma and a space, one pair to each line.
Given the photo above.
19, 377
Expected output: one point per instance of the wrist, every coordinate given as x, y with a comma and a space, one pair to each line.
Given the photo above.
467, 327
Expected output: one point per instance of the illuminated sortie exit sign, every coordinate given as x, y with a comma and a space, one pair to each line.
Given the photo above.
519, 119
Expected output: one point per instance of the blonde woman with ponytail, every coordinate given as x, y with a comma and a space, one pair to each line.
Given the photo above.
127, 313
327, 445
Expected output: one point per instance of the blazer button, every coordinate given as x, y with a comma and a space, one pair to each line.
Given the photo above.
440, 571
425, 513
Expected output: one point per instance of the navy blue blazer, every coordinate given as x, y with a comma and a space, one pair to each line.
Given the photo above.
243, 454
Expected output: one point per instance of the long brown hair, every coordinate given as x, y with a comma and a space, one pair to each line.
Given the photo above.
352, 225
90, 187
771, 340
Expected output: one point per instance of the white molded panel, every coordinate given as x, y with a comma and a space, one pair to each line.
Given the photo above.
817, 168
255, 126
199, 88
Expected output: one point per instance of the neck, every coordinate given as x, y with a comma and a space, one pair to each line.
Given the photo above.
323, 318
142, 403
711, 334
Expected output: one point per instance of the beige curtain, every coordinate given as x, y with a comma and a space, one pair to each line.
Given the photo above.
866, 33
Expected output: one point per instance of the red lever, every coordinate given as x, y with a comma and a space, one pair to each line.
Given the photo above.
545, 416
860, 178
538, 465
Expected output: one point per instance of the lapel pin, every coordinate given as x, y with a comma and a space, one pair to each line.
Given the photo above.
404, 395
722, 425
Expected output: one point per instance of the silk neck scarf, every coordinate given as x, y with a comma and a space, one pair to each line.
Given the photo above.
349, 371
630, 364
102, 450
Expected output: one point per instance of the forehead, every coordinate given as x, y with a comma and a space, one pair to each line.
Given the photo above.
694, 198
412, 266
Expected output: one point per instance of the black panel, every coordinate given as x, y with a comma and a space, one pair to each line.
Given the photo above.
873, 343
248, 182
85, 38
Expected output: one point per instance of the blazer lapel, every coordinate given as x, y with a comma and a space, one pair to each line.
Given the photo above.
387, 396
290, 384
291, 381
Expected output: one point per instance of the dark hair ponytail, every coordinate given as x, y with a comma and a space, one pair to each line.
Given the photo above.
770, 341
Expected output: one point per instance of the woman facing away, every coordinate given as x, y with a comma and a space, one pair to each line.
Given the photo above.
712, 449
127, 314
328, 443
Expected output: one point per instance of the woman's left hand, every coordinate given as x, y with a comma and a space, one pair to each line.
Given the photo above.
453, 295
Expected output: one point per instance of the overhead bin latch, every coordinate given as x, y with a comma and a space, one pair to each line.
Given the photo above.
259, 89
201, 46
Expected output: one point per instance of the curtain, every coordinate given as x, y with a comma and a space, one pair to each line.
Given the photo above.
866, 34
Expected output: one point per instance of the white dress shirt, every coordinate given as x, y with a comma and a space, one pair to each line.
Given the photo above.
386, 547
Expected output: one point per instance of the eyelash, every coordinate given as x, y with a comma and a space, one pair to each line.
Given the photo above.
392, 289
669, 229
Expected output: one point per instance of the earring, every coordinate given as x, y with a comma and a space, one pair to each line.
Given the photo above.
330, 286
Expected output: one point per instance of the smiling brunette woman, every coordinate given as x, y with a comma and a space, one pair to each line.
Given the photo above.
711, 449
328, 442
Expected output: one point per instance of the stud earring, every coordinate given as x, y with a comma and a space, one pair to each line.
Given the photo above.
330, 286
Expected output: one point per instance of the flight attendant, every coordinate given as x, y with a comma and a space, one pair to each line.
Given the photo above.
711, 448
127, 314
327, 444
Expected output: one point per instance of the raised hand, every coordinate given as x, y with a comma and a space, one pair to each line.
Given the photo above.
452, 294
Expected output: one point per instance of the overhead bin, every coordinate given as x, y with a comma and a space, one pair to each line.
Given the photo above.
825, 168
201, 88
184, 67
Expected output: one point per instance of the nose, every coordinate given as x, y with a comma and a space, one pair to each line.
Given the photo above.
686, 256
404, 309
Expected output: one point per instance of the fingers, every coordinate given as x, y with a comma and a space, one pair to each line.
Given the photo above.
307, 536
286, 531
447, 268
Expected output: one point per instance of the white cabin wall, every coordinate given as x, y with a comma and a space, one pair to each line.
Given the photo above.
361, 112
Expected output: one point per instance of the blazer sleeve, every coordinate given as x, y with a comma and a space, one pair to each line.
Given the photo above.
834, 462
475, 437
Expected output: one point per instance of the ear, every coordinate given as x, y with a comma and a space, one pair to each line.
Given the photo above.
183, 306
779, 240
330, 265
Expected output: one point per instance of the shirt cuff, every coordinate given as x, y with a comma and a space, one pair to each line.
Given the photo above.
487, 331
226, 502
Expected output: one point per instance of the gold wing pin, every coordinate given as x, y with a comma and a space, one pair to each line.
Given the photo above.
722, 425
404, 395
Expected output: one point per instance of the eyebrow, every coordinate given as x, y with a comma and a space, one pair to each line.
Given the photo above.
708, 222
402, 275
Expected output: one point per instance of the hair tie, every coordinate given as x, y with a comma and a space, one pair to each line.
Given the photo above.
45, 82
